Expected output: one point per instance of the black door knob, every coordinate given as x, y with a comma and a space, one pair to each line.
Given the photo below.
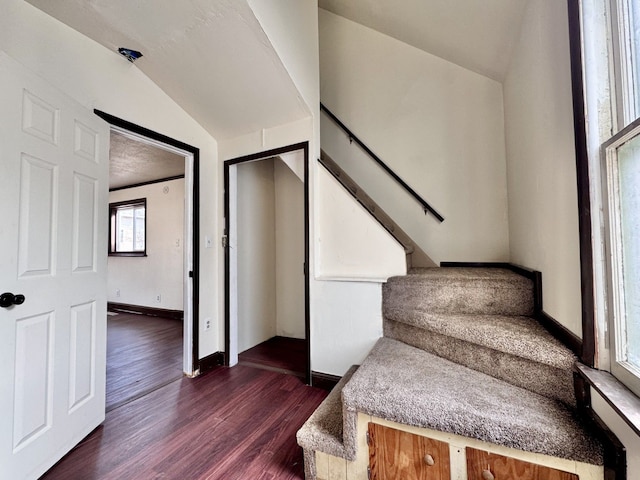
7, 299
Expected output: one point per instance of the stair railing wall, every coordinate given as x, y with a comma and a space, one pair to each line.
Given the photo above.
353, 138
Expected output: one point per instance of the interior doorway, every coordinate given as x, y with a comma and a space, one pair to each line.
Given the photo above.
176, 194
266, 279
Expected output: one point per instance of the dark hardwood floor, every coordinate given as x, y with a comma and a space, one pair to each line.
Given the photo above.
279, 354
143, 353
230, 424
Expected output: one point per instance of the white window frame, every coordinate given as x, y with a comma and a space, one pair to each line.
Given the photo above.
612, 106
624, 55
626, 372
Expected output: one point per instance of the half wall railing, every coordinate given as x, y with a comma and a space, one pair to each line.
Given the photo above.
353, 138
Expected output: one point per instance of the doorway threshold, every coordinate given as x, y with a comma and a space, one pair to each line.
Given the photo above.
278, 354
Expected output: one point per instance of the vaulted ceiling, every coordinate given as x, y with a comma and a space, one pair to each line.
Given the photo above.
211, 56
476, 34
214, 59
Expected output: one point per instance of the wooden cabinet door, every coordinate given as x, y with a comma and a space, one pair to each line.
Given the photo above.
395, 455
506, 468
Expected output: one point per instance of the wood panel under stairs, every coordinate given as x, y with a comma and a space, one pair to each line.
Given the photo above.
416, 257
462, 359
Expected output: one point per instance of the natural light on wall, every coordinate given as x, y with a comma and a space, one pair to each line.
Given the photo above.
127, 228
629, 178
130, 234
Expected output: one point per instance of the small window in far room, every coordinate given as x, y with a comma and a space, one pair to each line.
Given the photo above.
127, 228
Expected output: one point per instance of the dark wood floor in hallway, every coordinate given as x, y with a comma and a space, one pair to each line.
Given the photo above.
143, 353
231, 424
279, 354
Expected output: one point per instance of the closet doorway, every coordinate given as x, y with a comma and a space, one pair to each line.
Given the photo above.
266, 274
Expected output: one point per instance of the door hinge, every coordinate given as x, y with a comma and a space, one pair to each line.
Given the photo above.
190, 273
225, 241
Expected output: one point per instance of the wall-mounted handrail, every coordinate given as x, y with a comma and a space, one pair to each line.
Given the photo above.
352, 137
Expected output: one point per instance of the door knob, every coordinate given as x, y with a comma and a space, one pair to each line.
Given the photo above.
487, 475
7, 299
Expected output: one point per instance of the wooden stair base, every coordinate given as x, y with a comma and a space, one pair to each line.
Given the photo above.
462, 452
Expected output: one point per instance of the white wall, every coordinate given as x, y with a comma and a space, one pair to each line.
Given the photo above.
352, 245
161, 272
270, 252
543, 211
350, 323
292, 29
256, 253
438, 125
99, 78
289, 250
355, 255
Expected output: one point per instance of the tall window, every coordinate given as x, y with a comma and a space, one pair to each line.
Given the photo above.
127, 228
621, 192
622, 163
625, 29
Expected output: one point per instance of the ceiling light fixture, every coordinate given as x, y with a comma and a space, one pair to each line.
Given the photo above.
131, 55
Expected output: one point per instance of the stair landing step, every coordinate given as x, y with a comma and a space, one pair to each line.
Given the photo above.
323, 430
407, 385
519, 336
489, 291
464, 274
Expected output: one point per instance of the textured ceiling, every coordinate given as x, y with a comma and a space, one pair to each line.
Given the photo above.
211, 56
214, 59
132, 162
476, 34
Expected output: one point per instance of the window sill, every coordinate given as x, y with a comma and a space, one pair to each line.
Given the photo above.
127, 254
623, 401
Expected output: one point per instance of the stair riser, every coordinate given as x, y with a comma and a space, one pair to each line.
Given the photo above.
542, 379
459, 298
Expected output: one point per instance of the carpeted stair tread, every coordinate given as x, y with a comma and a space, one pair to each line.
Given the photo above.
323, 430
449, 274
551, 382
490, 291
515, 335
407, 385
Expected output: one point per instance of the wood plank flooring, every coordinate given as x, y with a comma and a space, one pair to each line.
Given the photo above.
143, 353
230, 424
279, 354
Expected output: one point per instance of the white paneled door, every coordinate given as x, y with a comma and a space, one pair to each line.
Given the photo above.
53, 233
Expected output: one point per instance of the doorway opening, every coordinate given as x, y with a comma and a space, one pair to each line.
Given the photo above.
152, 291
266, 257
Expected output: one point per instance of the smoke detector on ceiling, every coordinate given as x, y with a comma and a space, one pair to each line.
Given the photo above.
131, 55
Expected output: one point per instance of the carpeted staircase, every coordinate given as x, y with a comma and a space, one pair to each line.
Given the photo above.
461, 354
